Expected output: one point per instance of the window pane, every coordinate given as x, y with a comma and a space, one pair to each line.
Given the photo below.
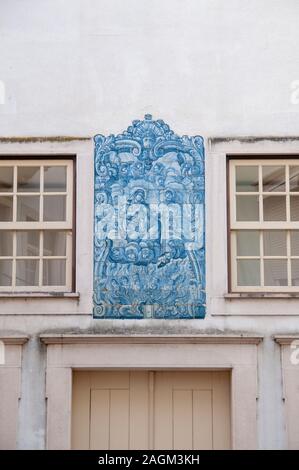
55, 178
6, 204
294, 207
275, 272
54, 243
28, 243
247, 208
274, 208
248, 272
295, 272
54, 272
6, 179
294, 178
247, 178
28, 208
275, 243
6, 238
54, 208
274, 178
295, 243
5, 272
28, 178
27, 272
248, 243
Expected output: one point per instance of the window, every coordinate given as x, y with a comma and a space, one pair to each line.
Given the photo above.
264, 225
36, 225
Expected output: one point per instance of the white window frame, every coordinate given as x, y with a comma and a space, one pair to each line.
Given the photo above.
66, 225
260, 225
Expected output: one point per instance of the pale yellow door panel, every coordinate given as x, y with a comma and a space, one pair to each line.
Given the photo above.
151, 410
110, 410
192, 410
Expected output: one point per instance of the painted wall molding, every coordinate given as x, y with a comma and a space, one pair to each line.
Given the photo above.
10, 388
289, 352
149, 339
286, 339
17, 340
66, 353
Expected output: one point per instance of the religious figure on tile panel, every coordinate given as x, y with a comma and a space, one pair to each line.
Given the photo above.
149, 229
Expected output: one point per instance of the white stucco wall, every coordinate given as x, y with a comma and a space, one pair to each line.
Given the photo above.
207, 67
79, 67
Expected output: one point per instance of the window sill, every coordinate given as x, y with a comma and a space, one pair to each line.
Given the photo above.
40, 295
262, 295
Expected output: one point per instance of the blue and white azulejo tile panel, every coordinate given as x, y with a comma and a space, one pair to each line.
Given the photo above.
149, 229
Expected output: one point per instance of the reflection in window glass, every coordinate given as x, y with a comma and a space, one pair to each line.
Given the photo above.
55, 178
6, 179
28, 243
27, 271
274, 178
28, 208
247, 208
294, 178
295, 272
54, 243
54, 272
248, 243
294, 208
295, 243
5, 272
275, 272
6, 241
275, 242
28, 179
54, 208
274, 208
247, 178
248, 272
6, 208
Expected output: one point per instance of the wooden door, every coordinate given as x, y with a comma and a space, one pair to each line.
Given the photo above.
151, 410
